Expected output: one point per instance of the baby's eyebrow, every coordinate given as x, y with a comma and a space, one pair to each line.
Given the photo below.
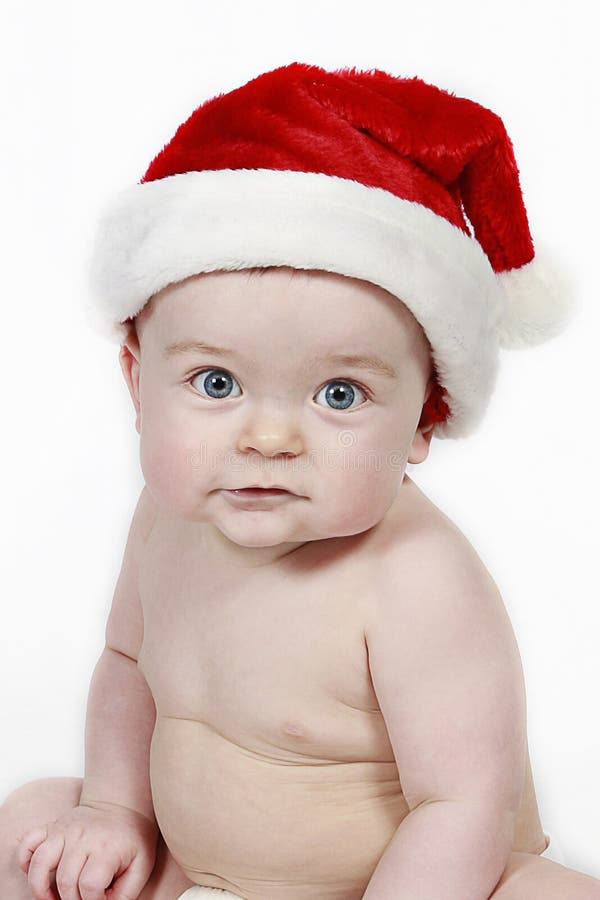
362, 361
181, 348
356, 360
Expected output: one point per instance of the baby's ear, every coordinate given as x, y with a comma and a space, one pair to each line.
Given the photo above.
419, 448
129, 358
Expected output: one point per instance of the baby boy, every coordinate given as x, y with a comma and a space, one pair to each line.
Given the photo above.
310, 686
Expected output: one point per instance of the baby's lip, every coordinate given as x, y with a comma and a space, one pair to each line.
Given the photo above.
262, 487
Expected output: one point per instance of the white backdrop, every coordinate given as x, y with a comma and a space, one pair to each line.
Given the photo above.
95, 91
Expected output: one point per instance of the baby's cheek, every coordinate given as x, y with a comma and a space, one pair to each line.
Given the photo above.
166, 463
364, 489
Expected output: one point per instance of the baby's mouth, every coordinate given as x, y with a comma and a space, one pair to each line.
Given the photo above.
257, 497
258, 492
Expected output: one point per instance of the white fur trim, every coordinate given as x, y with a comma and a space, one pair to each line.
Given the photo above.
539, 302
160, 232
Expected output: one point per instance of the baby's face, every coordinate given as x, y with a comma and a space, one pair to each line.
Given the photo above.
282, 403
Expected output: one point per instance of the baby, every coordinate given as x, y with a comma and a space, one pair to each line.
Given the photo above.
310, 686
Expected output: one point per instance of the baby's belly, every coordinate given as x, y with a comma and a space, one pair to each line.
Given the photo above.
269, 827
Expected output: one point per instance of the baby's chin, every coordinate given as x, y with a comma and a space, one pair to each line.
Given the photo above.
260, 532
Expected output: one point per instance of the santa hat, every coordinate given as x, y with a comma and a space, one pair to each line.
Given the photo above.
355, 172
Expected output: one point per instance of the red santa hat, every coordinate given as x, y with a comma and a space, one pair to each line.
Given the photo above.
362, 173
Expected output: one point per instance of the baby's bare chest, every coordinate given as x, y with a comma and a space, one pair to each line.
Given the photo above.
275, 663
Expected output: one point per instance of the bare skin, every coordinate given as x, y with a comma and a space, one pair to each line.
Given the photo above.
289, 725
236, 679
281, 748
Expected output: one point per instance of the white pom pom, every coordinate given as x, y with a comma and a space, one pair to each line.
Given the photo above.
539, 303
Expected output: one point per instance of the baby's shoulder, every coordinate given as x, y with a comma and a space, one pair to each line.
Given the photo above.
124, 626
423, 547
434, 595
144, 516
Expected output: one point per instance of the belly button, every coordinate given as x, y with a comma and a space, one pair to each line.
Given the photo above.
294, 728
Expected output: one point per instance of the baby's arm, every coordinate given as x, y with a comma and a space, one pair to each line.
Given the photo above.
121, 712
111, 836
447, 673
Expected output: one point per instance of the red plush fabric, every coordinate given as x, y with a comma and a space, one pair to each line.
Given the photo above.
410, 138
435, 408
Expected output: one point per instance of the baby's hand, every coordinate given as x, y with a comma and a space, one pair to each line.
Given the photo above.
92, 853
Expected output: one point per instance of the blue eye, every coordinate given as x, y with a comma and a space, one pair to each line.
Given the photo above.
340, 394
216, 382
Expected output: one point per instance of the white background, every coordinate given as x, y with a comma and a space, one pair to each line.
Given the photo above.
91, 93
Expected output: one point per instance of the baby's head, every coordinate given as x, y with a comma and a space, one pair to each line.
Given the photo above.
318, 387
389, 217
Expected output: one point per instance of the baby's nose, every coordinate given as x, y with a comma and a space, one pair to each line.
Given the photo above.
271, 438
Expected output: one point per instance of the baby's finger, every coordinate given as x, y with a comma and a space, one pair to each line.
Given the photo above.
68, 873
97, 875
128, 886
28, 844
42, 866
